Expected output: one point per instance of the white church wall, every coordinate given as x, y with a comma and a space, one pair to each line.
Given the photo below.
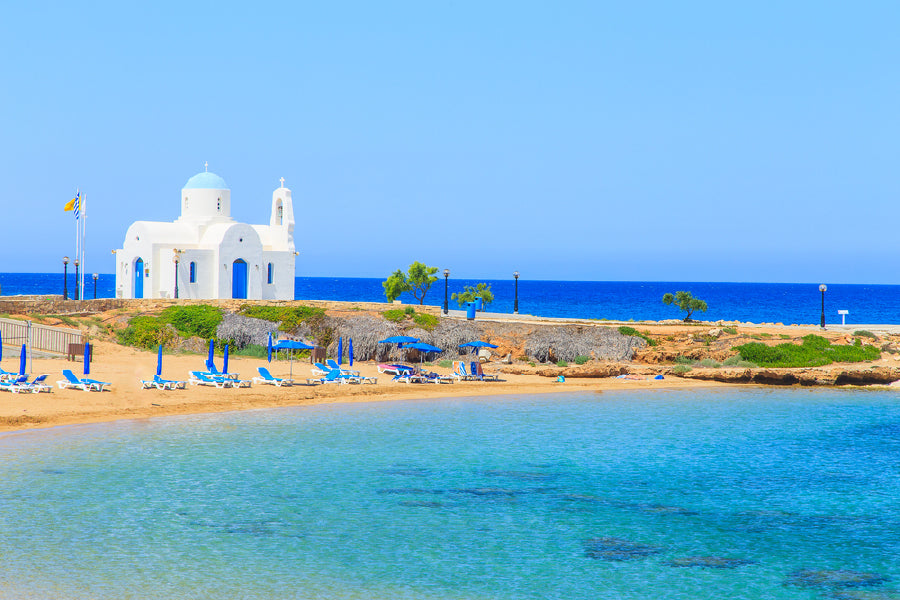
239, 241
203, 204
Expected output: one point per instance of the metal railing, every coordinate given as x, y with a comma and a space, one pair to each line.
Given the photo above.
39, 337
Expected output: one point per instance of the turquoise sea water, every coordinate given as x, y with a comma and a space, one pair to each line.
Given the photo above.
786, 493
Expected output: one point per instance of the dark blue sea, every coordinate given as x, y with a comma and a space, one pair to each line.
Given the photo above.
786, 303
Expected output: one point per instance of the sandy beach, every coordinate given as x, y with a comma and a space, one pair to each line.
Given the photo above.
125, 367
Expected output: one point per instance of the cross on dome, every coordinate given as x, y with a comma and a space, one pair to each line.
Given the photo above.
206, 166
282, 182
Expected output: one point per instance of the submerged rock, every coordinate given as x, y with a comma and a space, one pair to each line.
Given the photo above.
616, 549
524, 475
841, 578
710, 562
422, 503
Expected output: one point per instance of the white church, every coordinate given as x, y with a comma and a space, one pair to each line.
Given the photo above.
206, 254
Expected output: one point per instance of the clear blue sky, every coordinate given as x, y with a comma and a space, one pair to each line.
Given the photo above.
692, 141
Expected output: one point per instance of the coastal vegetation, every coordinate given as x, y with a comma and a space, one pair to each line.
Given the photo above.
813, 351
469, 294
417, 280
423, 320
628, 330
290, 317
686, 302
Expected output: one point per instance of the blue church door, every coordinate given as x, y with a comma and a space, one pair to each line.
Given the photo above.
139, 278
239, 279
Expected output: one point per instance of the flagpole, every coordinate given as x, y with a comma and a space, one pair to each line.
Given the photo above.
83, 227
77, 233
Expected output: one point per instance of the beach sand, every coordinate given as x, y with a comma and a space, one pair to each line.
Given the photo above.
125, 367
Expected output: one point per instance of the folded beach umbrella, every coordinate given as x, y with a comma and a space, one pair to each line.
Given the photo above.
399, 339
159, 361
350, 352
87, 358
290, 346
269, 348
23, 359
225, 360
340, 356
209, 358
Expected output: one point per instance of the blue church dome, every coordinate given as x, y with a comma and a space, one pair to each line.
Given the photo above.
205, 181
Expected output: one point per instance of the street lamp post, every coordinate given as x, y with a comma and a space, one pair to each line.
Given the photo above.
822, 289
95, 285
77, 290
516, 301
175, 260
446, 303
65, 277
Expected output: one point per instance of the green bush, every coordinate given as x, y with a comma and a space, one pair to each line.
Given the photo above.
200, 320
562, 363
737, 361
631, 331
626, 330
395, 315
709, 363
814, 351
865, 333
580, 360
730, 330
683, 360
145, 332
445, 363
289, 317
531, 364
681, 369
253, 351
426, 321
409, 310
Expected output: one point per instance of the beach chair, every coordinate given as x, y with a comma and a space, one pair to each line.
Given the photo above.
7, 376
201, 378
334, 365
432, 377
394, 369
267, 378
320, 370
213, 371
17, 385
459, 371
38, 385
168, 384
74, 382
479, 373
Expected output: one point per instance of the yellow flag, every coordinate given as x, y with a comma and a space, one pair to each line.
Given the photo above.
70, 205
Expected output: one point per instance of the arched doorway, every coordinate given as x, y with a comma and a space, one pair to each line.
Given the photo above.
239, 279
138, 278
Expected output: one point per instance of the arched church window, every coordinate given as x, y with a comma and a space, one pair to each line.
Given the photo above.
193, 272
185, 202
279, 213
218, 204
271, 273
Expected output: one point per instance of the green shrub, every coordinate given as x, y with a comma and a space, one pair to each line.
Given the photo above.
200, 320
681, 369
737, 361
709, 363
145, 332
531, 364
730, 330
784, 336
865, 333
562, 363
683, 360
426, 321
253, 351
290, 317
580, 360
631, 331
445, 363
813, 351
626, 330
409, 310
395, 315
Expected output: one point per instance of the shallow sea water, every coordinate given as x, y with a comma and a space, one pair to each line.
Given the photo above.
751, 493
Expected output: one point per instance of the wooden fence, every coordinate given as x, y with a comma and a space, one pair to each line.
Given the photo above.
43, 337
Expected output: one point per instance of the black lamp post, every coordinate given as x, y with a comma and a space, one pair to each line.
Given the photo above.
175, 260
65, 277
822, 289
516, 302
446, 303
95, 285
77, 294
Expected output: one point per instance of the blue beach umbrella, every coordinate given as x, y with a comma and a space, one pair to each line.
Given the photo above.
87, 358
209, 359
225, 360
269, 348
399, 339
423, 348
340, 355
350, 352
159, 361
477, 344
290, 346
22, 361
